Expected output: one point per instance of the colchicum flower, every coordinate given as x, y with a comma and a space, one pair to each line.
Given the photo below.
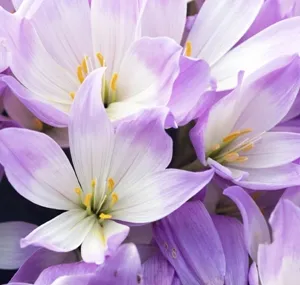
233, 136
121, 174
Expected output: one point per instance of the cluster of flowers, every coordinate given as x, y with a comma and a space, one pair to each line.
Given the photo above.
184, 134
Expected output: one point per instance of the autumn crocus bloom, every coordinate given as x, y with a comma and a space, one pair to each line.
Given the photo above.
52, 63
121, 176
233, 139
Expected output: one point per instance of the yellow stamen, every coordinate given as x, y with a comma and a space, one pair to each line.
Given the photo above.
232, 136
247, 147
110, 184
245, 131
231, 157
87, 200
80, 74
113, 82
84, 65
114, 199
188, 48
72, 95
215, 147
38, 125
100, 58
103, 216
77, 190
93, 183
241, 159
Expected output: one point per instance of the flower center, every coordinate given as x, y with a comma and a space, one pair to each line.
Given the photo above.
229, 150
103, 209
108, 89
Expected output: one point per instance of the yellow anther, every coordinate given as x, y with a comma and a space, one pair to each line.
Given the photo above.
232, 136
245, 131
100, 58
231, 157
103, 216
93, 183
80, 74
113, 82
72, 95
77, 190
38, 125
114, 199
188, 48
110, 184
87, 200
241, 159
84, 64
215, 147
247, 147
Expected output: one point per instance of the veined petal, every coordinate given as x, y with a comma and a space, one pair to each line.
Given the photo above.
148, 71
278, 262
256, 229
169, 15
231, 234
12, 256
188, 238
280, 39
64, 233
103, 241
115, 26
273, 178
219, 25
141, 147
92, 138
38, 169
158, 194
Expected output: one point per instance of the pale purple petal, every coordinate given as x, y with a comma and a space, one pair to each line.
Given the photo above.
188, 238
12, 256
253, 275
256, 229
158, 194
232, 237
64, 233
38, 168
219, 25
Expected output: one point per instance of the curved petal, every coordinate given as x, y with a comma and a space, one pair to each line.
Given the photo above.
188, 238
64, 233
148, 71
256, 229
169, 15
231, 234
159, 194
74, 280
92, 139
219, 25
253, 275
38, 168
278, 40
103, 241
273, 178
12, 256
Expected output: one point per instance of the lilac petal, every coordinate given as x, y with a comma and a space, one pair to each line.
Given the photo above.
292, 194
7, 5
278, 262
38, 168
64, 233
273, 42
92, 139
39, 261
122, 268
16, 3
148, 71
157, 270
232, 237
294, 111
74, 280
169, 21
192, 82
12, 256
253, 275
159, 194
274, 178
215, 32
42, 109
188, 238
256, 229
292, 125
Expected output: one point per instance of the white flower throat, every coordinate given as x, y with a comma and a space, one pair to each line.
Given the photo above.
109, 89
229, 150
102, 210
